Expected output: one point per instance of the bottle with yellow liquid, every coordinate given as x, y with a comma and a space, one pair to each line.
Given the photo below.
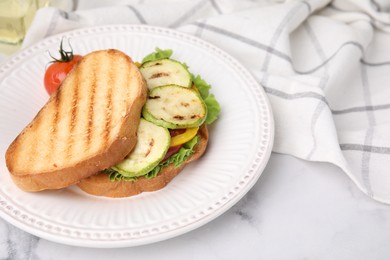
15, 17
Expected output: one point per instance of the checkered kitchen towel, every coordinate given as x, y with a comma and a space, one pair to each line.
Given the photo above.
324, 64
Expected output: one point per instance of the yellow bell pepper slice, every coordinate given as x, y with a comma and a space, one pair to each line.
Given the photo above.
184, 137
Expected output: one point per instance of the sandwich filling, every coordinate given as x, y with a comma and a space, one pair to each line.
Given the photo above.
178, 104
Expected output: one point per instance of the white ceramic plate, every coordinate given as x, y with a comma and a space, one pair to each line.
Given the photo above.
240, 146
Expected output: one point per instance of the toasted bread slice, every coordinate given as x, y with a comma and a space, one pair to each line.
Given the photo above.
100, 184
89, 124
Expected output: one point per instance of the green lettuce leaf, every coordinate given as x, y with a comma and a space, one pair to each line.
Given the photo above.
114, 175
158, 55
213, 107
202, 86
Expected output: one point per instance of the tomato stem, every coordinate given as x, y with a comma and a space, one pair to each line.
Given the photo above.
66, 56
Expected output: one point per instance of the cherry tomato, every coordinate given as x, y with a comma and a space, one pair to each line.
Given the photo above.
184, 136
171, 151
57, 72
175, 132
59, 68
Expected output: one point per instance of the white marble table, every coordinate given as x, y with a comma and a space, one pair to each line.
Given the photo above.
297, 210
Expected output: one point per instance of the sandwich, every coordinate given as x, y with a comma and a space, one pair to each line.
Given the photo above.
89, 124
116, 128
172, 133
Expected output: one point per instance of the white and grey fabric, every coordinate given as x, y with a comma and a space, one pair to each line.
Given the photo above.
324, 64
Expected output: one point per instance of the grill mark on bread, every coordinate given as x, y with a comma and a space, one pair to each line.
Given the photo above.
108, 115
54, 122
73, 113
91, 102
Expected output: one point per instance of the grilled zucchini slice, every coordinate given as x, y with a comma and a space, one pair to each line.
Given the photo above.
175, 107
153, 143
165, 72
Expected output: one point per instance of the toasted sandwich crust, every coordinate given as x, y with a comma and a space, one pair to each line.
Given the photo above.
89, 124
100, 184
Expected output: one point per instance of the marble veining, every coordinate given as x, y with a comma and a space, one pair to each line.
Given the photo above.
15, 243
